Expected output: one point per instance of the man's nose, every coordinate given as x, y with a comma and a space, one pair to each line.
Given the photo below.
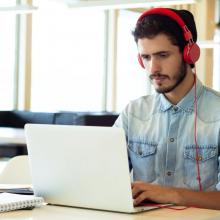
154, 66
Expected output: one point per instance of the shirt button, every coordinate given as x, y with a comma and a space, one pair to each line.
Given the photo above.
199, 157
139, 151
175, 108
171, 139
169, 173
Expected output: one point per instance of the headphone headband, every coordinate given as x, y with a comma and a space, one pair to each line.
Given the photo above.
174, 16
191, 51
166, 12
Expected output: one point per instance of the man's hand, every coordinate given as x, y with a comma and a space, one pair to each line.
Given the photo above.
144, 191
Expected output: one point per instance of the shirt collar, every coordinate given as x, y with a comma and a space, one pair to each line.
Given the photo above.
186, 103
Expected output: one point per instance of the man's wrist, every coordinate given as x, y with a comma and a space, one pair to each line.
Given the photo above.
178, 196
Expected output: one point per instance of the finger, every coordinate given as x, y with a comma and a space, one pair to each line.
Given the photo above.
136, 194
137, 182
140, 198
136, 191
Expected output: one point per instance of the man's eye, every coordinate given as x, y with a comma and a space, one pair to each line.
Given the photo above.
146, 57
164, 55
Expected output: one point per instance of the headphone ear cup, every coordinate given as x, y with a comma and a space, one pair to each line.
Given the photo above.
140, 61
191, 53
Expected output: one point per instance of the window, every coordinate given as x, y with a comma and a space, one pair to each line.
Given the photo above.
132, 80
7, 56
67, 59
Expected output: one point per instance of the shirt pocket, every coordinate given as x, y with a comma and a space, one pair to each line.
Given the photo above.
142, 156
207, 164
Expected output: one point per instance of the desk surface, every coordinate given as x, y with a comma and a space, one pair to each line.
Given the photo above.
55, 213
12, 136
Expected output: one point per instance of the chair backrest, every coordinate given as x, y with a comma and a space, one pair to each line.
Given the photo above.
16, 171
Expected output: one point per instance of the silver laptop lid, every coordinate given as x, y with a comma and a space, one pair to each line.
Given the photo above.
82, 166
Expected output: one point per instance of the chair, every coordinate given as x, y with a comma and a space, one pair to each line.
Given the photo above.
16, 171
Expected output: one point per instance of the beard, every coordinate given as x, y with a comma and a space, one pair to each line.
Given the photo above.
178, 77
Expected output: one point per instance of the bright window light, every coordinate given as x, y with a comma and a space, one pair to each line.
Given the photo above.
68, 59
7, 58
131, 78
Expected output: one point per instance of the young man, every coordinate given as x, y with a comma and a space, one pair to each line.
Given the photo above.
173, 135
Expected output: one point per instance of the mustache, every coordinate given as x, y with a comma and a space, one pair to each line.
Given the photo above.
155, 75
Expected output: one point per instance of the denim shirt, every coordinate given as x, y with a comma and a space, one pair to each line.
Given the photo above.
160, 138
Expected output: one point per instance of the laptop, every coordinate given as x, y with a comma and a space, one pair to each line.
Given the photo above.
81, 166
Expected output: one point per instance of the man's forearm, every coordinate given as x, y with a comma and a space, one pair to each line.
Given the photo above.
177, 196
210, 200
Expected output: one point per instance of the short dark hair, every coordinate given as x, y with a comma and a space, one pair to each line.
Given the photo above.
154, 24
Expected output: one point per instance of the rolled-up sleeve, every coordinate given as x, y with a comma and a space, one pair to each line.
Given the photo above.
122, 122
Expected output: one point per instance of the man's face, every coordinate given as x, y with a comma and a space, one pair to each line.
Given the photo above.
163, 61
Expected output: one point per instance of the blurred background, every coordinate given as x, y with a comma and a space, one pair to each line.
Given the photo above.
78, 55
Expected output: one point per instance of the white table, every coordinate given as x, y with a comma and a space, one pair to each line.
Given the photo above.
67, 213
12, 136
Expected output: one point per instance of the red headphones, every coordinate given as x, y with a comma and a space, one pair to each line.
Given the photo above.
191, 51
